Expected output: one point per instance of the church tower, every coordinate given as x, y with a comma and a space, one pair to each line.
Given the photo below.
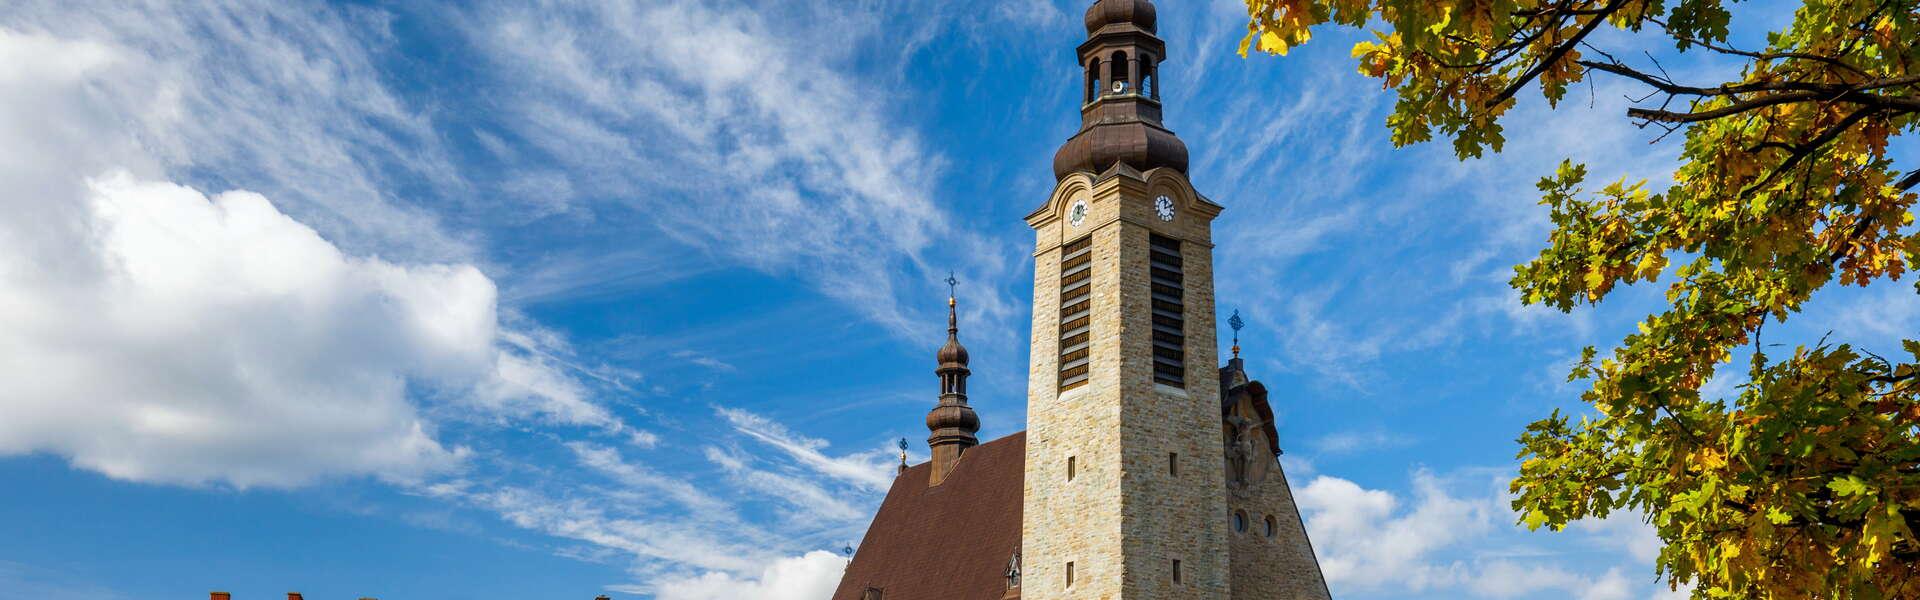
1147, 471
1126, 492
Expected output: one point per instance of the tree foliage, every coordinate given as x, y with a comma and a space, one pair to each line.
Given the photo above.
1807, 484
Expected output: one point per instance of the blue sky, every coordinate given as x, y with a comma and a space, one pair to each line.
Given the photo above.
547, 299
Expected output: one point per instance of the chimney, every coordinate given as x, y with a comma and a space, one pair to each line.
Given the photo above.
294, 596
601, 597
220, 596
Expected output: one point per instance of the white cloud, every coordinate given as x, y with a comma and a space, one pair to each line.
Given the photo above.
704, 360
807, 500
1624, 531
608, 461
1360, 533
157, 334
872, 469
218, 340
1448, 544
283, 98
1039, 14
808, 577
658, 542
739, 135
1342, 442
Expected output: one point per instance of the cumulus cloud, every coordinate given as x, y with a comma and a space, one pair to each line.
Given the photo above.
1448, 543
1360, 533
219, 340
159, 334
807, 577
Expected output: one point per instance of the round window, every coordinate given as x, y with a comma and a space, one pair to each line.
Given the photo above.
1239, 522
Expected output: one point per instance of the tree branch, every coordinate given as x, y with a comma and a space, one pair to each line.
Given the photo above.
1756, 55
1900, 104
1907, 183
1558, 52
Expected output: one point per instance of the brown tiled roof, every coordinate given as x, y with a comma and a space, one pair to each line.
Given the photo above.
950, 541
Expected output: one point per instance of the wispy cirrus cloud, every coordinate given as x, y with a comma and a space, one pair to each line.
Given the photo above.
732, 133
871, 469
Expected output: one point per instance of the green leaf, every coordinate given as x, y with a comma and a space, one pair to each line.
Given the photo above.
1848, 486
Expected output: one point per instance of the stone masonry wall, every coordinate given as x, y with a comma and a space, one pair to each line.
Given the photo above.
1171, 517
1077, 521
1280, 567
1124, 518
1277, 566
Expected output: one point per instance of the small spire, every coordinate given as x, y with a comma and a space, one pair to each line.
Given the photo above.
903, 455
1235, 322
953, 319
952, 424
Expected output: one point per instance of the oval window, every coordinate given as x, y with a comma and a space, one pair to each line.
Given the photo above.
1240, 522
1270, 527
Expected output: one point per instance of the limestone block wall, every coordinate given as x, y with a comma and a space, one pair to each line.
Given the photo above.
1124, 517
1075, 520
1280, 567
1170, 516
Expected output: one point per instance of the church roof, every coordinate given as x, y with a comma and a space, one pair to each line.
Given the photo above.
952, 540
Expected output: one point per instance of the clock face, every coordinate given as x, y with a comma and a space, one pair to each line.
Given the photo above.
1077, 214
1163, 206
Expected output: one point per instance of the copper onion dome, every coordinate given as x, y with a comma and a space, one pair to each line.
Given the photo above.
1107, 12
952, 354
951, 424
954, 417
1140, 144
1120, 99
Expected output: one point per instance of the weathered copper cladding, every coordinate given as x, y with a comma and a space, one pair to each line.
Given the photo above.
1139, 13
1120, 111
951, 422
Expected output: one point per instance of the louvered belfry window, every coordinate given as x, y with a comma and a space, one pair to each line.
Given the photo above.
1076, 304
1169, 312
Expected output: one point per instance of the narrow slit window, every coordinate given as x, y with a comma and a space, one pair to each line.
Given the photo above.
1168, 293
1176, 570
1173, 464
1069, 573
1070, 468
1076, 309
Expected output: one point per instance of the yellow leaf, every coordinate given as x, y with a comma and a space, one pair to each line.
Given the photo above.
1271, 42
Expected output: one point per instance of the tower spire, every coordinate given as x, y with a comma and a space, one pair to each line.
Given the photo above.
1235, 322
951, 422
1120, 95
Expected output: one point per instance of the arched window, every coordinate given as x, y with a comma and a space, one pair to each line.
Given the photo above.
1239, 521
1118, 70
1093, 79
1149, 78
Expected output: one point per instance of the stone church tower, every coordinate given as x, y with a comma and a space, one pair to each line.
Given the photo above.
1145, 471
1123, 480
